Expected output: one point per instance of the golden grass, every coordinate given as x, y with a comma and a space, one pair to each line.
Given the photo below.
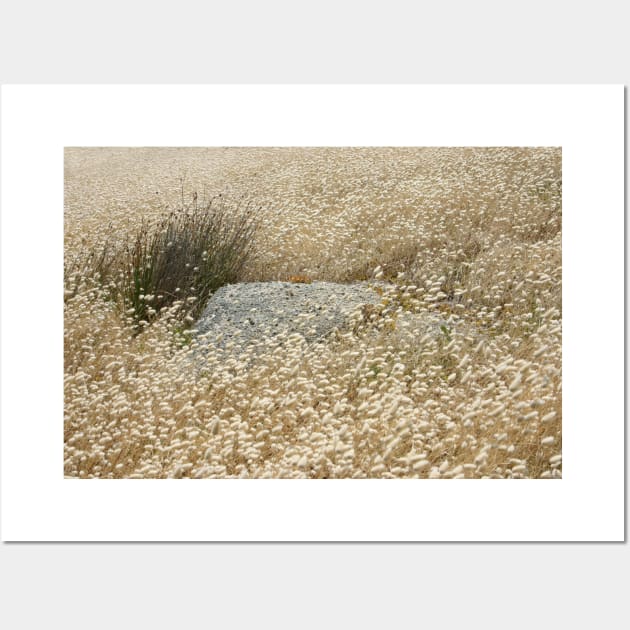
470, 233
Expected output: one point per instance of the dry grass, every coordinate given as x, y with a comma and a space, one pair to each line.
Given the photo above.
472, 233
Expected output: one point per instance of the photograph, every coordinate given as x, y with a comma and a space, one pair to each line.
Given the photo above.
313, 312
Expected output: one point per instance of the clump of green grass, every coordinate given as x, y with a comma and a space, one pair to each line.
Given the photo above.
180, 260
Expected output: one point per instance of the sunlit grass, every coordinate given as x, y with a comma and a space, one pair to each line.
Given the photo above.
469, 238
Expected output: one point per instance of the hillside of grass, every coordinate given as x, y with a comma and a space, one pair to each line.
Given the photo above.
473, 234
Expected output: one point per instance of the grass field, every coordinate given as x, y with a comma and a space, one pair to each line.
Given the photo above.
471, 233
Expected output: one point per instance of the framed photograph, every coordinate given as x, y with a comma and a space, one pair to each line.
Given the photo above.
312, 313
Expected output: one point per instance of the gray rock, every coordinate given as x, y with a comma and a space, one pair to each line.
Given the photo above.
239, 315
